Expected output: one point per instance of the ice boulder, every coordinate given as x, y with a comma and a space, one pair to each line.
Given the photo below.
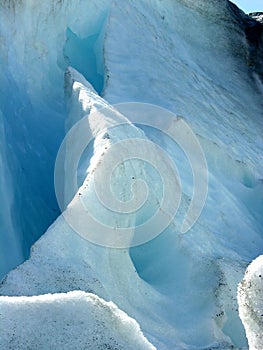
250, 300
75, 320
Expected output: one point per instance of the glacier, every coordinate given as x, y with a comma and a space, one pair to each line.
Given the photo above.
201, 60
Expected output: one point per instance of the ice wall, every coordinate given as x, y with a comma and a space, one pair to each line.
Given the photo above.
39, 40
9, 244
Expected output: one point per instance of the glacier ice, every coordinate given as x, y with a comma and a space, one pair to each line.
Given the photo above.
35, 51
60, 262
75, 320
250, 300
192, 57
8, 237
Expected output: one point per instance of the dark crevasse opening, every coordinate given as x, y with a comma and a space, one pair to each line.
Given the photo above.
86, 56
33, 133
29, 159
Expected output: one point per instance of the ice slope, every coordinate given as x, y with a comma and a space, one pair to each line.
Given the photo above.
193, 58
75, 320
199, 70
196, 61
250, 301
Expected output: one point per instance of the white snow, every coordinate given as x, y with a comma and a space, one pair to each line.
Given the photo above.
75, 320
250, 300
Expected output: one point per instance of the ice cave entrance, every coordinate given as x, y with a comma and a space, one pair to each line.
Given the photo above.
86, 56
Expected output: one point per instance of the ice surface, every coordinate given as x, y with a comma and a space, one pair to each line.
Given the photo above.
75, 320
113, 276
146, 282
189, 56
250, 300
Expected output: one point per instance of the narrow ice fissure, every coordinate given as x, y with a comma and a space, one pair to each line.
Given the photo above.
35, 118
86, 56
